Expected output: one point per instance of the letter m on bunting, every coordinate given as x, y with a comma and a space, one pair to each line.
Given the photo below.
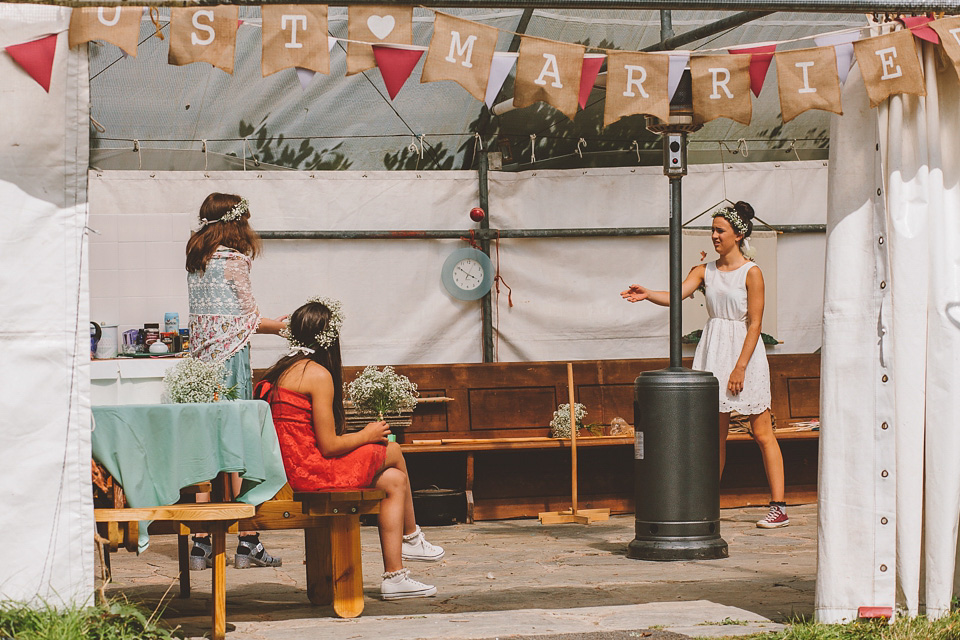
461, 51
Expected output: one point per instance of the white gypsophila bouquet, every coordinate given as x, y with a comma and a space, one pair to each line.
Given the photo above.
381, 392
560, 425
192, 380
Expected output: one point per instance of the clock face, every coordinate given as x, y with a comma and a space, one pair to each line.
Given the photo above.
468, 274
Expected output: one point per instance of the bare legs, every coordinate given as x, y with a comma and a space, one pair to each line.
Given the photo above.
762, 431
396, 510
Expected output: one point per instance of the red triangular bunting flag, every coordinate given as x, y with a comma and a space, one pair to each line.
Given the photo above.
36, 58
396, 65
917, 28
591, 67
760, 58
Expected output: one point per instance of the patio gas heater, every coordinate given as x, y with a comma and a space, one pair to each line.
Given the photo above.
676, 454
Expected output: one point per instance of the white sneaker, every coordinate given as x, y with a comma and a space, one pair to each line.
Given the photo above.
416, 547
402, 585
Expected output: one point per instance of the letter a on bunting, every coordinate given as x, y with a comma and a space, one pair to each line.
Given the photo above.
461, 51
549, 71
721, 88
949, 31
203, 35
889, 65
375, 25
807, 79
116, 25
636, 83
294, 36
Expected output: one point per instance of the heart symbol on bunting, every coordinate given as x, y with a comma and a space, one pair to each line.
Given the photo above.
381, 26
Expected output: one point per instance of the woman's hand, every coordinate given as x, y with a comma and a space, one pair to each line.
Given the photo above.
735, 384
376, 431
635, 293
283, 318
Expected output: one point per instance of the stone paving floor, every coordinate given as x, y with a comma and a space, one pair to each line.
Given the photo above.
511, 578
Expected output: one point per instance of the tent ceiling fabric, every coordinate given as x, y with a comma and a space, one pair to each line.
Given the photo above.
342, 122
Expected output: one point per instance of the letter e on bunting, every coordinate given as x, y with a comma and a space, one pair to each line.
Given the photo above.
294, 36
889, 65
116, 25
636, 83
807, 79
949, 31
376, 25
721, 88
549, 71
461, 51
207, 34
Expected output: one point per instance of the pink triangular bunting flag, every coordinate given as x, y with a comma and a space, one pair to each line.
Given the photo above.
917, 26
588, 75
396, 65
843, 45
305, 76
500, 67
678, 62
760, 57
36, 58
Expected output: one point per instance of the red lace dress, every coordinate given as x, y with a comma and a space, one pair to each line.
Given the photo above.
307, 468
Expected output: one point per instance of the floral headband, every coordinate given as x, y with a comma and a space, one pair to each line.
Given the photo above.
325, 338
731, 216
236, 212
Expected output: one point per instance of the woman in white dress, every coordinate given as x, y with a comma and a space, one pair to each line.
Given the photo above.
730, 345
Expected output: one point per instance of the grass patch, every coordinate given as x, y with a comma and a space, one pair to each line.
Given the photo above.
112, 621
919, 628
726, 621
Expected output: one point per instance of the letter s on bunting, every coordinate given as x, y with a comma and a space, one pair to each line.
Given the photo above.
889, 65
549, 71
807, 79
294, 36
721, 88
203, 35
636, 83
462, 51
116, 25
949, 31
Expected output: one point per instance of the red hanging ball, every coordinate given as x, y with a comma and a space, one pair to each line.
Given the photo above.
477, 214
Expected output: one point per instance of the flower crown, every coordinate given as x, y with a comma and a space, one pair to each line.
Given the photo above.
325, 338
731, 216
236, 213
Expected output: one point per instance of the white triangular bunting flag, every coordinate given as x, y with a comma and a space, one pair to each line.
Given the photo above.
678, 62
843, 45
500, 68
331, 43
305, 76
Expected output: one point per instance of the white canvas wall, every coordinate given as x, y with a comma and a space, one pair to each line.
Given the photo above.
565, 291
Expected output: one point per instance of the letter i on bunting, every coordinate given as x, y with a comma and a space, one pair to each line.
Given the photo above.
116, 25
636, 83
949, 31
203, 35
721, 88
807, 79
294, 36
549, 71
889, 65
462, 51
376, 25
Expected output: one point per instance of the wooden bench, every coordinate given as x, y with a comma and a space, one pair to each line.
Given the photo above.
211, 517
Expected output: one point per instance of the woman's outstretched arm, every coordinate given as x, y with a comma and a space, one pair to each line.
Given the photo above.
636, 293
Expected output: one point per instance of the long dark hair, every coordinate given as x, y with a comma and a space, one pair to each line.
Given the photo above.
305, 324
236, 234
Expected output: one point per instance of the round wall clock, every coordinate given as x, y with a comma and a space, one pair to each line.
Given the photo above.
467, 274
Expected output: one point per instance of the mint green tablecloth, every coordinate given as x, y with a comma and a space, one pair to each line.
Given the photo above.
153, 450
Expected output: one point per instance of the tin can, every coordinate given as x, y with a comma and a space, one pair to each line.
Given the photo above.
185, 339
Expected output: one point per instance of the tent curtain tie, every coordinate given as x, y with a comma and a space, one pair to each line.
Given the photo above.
136, 149
155, 18
533, 147
581, 144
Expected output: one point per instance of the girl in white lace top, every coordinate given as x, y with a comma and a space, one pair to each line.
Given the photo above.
730, 345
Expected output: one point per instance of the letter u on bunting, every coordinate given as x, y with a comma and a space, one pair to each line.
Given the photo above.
461, 51
203, 35
636, 83
116, 25
294, 36
721, 88
549, 71
376, 25
889, 65
807, 79
949, 31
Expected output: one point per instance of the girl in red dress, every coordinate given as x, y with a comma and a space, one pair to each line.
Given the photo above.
305, 392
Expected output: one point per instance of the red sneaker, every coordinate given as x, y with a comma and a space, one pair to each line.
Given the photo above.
777, 517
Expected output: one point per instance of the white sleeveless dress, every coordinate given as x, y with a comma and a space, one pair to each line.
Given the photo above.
722, 341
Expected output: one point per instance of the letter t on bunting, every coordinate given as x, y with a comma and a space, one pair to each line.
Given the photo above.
116, 25
203, 35
721, 88
949, 31
808, 79
636, 83
889, 65
549, 71
461, 51
294, 36
375, 25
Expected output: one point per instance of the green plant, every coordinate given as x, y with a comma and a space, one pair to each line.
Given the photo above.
111, 621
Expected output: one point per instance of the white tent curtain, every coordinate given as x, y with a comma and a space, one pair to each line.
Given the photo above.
890, 394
